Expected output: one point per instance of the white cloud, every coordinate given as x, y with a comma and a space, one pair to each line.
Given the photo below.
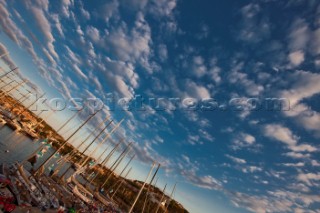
305, 86
109, 9
56, 19
198, 67
93, 33
85, 13
300, 164
65, 7
237, 77
308, 178
244, 140
45, 27
252, 28
297, 155
280, 133
163, 52
315, 163
162, 7
285, 135
7, 59
303, 148
299, 35
236, 160
296, 58
14, 32
193, 90
132, 45
79, 72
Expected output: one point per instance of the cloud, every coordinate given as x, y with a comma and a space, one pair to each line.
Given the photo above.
196, 91
299, 35
93, 33
132, 45
236, 160
109, 9
162, 8
280, 133
85, 13
79, 72
198, 67
296, 58
6, 58
45, 27
285, 135
309, 178
14, 32
245, 140
237, 77
274, 201
297, 155
56, 19
300, 164
315, 163
163, 52
305, 85
65, 7
188, 169
253, 28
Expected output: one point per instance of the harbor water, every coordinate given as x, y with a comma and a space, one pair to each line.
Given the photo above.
16, 147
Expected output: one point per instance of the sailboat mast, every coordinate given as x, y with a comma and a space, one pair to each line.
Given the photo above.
66, 141
128, 163
107, 136
106, 159
13, 88
174, 188
82, 153
6, 84
116, 164
70, 119
114, 193
135, 201
163, 194
150, 183
3, 75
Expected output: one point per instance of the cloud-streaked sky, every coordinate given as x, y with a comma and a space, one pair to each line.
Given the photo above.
234, 158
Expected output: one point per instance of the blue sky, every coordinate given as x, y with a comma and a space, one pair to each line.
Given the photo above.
223, 56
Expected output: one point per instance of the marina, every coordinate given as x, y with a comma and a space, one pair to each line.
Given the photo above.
36, 176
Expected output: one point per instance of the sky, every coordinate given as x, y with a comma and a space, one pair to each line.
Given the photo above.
224, 94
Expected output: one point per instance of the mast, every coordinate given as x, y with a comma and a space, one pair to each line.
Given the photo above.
71, 118
134, 203
150, 183
92, 132
163, 193
128, 163
174, 188
3, 75
66, 141
82, 153
107, 136
114, 193
6, 84
27, 108
38, 124
106, 159
13, 88
116, 164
